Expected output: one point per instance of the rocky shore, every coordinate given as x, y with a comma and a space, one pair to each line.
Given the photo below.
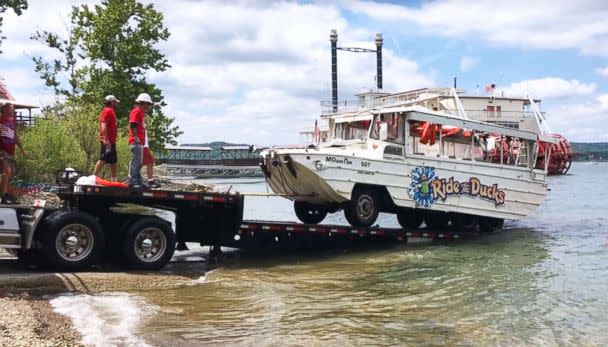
26, 316
30, 321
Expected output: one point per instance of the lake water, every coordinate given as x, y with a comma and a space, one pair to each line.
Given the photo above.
540, 281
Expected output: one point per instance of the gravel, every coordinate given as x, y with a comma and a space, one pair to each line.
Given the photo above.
30, 321
27, 318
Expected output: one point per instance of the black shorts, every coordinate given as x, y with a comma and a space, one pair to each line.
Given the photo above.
108, 157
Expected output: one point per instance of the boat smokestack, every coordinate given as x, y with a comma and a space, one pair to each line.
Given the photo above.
333, 38
379, 60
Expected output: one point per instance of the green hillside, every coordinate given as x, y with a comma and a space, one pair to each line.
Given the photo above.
594, 151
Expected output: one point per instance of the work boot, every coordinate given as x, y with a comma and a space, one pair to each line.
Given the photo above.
152, 184
135, 185
9, 198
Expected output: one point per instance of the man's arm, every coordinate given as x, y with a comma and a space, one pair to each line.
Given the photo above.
133, 126
104, 131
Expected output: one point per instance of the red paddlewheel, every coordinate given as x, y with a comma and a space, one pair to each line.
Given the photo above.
561, 156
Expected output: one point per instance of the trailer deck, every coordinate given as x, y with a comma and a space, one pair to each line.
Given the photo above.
92, 228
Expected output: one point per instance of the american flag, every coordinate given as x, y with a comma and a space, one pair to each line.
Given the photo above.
490, 88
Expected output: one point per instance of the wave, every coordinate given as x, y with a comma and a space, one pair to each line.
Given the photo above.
107, 319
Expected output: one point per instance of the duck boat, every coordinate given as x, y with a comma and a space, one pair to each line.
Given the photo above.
422, 165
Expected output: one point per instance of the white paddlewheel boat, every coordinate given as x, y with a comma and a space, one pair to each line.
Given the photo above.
422, 165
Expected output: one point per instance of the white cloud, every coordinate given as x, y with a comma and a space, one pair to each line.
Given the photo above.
466, 63
579, 25
549, 87
248, 72
260, 71
255, 72
603, 100
580, 122
602, 71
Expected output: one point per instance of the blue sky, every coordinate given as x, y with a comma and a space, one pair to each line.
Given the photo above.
254, 72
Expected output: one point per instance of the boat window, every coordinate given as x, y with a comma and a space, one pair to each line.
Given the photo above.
351, 130
395, 127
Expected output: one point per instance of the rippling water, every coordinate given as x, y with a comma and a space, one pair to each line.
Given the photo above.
541, 281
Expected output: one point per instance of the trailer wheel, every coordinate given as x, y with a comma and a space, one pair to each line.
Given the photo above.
149, 244
72, 240
409, 218
309, 213
489, 224
436, 220
465, 222
497, 223
363, 208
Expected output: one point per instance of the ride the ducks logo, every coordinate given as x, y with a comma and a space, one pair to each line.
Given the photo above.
427, 187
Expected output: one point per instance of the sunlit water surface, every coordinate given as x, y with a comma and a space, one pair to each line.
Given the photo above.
541, 281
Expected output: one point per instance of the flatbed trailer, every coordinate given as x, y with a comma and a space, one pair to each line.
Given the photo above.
262, 235
93, 227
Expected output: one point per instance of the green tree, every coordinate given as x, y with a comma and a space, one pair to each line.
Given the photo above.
109, 50
18, 6
67, 136
50, 148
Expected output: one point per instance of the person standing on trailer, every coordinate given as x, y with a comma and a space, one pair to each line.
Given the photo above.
108, 129
149, 164
137, 138
8, 140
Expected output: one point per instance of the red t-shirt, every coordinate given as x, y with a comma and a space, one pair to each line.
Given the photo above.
108, 116
137, 116
7, 134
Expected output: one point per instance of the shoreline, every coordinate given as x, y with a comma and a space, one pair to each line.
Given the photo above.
28, 319
31, 321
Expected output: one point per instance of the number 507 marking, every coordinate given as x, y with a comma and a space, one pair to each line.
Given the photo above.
365, 164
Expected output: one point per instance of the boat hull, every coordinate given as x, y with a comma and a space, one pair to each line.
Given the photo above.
328, 176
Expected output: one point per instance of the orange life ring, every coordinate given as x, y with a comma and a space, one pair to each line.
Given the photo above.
107, 183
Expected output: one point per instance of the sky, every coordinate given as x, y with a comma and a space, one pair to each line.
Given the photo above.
255, 71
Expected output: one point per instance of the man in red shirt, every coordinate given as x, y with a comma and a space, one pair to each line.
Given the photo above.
137, 138
108, 128
8, 140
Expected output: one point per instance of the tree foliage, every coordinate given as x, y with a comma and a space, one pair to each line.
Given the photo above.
69, 140
109, 50
18, 6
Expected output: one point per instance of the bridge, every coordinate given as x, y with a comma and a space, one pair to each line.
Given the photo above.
222, 161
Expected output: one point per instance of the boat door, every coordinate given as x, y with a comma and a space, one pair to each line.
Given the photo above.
395, 134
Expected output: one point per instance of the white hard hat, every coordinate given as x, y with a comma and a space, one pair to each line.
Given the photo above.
144, 97
111, 98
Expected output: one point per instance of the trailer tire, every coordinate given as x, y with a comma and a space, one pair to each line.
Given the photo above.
363, 208
436, 220
465, 222
489, 224
309, 213
29, 257
497, 223
409, 218
72, 240
148, 244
